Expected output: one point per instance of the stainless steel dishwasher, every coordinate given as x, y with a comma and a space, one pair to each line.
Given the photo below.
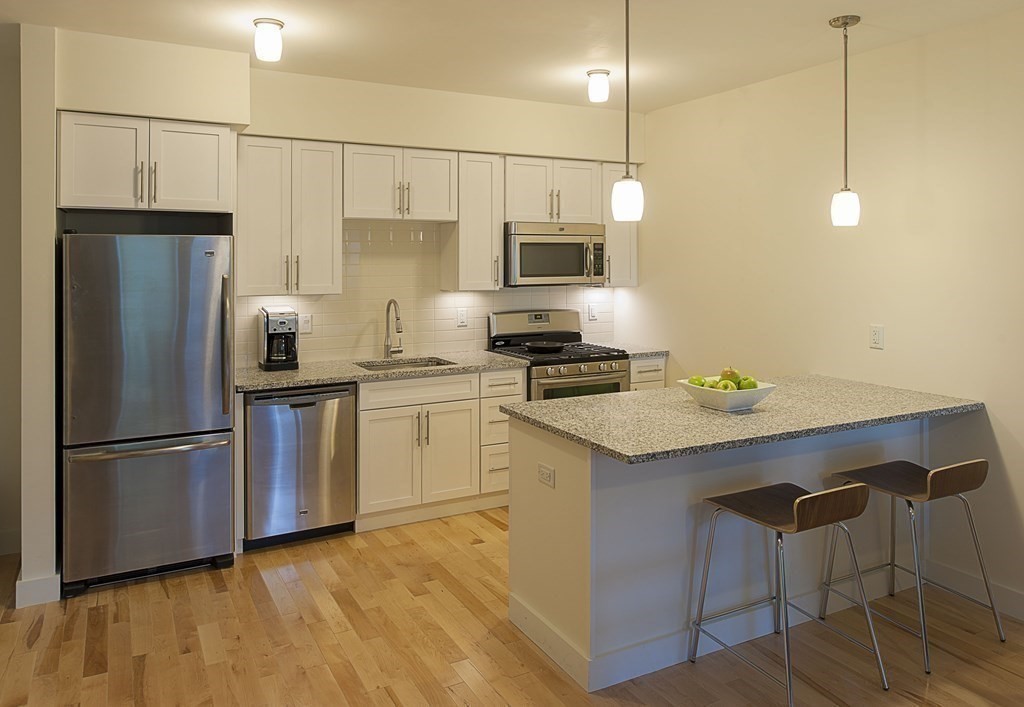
300, 460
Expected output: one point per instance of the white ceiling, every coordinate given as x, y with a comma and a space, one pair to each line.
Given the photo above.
531, 49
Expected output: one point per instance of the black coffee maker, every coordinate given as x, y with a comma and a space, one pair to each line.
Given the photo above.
278, 339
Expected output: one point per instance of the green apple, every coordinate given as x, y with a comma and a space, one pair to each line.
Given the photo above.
711, 383
730, 374
726, 385
748, 383
698, 381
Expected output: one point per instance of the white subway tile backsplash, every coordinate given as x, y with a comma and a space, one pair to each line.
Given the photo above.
400, 260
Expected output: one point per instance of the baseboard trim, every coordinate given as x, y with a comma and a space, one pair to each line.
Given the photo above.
415, 514
560, 649
1009, 601
29, 592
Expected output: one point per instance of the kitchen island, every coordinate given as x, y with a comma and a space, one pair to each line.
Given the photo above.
607, 527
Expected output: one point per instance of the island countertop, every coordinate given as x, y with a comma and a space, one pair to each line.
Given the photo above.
648, 425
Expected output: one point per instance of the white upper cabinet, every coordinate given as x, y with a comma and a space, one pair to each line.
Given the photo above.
316, 217
397, 183
288, 237
566, 191
103, 161
471, 252
113, 162
620, 237
191, 166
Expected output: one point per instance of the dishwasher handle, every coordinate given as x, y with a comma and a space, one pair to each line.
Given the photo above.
301, 400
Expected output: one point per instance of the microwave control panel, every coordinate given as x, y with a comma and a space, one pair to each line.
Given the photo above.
599, 260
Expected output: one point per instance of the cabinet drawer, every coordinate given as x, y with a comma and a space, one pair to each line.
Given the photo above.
494, 384
493, 422
418, 391
647, 370
653, 385
494, 468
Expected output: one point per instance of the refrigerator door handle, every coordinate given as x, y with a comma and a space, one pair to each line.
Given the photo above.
226, 348
158, 451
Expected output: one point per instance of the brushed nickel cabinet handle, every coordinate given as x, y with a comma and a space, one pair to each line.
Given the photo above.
496, 272
608, 270
418, 430
551, 205
296, 273
287, 273
401, 199
154, 182
142, 177
558, 214
408, 198
427, 436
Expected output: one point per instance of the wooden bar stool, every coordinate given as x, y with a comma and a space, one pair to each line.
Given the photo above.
786, 509
914, 483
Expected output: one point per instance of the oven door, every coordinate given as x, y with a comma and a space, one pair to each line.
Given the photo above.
574, 386
548, 260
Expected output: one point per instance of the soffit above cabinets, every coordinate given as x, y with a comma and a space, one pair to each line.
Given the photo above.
528, 49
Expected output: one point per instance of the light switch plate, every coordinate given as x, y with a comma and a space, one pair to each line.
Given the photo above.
462, 317
305, 323
592, 312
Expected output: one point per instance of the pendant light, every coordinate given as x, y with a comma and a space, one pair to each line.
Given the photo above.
628, 192
845, 203
597, 85
267, 40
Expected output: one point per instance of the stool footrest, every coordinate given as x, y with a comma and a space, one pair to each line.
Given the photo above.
874, 612
735, 654
737, 610
924, 580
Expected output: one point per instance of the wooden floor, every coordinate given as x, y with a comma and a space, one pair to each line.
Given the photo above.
416, 615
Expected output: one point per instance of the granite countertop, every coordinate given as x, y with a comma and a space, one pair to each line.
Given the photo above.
345, 371
649, 425
638, 350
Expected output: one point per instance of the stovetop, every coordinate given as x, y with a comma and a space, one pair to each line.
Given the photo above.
572, 353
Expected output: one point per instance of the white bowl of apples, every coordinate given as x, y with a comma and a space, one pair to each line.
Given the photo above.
729, 391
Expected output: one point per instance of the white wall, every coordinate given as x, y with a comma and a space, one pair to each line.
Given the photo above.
740, 266
400, 259
10, 285
105, 74
319, 108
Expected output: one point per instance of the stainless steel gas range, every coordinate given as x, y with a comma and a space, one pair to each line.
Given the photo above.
561, 365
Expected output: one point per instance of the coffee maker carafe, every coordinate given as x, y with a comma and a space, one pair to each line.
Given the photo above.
278, 339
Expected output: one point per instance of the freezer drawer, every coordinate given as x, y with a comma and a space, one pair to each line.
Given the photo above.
300, 460
136, 506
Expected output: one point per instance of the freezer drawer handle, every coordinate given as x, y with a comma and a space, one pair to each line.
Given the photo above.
115, 456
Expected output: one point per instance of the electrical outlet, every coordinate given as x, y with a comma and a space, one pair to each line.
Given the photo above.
877, 340
305, 323
546, 475
592, 312
462, 317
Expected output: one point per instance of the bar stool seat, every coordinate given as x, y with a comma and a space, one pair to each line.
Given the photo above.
786, 509
914, 483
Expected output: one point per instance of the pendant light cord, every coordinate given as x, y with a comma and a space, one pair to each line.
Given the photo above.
627, 89
846, 109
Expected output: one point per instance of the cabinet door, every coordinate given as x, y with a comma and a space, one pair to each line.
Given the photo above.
390, 462
373, 177
494, 468
577, 191
316, 217
451, 450
263, 222
620, 237
529, 190
481, 212
431, 185
103, 161
190, 166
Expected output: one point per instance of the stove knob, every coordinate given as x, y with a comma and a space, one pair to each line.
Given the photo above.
615, 366
603, 367
551, 370
583, 368
562, 370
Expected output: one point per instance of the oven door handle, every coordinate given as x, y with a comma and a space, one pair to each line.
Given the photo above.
590, 379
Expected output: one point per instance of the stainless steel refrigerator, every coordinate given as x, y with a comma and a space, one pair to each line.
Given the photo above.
147, 402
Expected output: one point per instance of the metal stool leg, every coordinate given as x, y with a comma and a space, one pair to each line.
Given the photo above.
695, 629
892, 546
829, 564
920, 586
784, 601
777, 603
984, 572
864, 600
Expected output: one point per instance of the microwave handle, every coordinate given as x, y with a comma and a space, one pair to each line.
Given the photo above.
588, 260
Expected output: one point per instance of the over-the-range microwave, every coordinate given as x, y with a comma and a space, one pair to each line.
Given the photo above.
554, 254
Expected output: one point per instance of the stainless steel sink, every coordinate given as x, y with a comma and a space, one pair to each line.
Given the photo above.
396, 364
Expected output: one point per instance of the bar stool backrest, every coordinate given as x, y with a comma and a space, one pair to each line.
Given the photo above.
956, 478
827, 507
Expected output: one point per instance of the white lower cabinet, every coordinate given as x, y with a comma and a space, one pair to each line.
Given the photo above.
390, 458
647, 373
451, 440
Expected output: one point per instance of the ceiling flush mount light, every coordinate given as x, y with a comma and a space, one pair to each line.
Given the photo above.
845, 203
597, 85
267, 40
627, 193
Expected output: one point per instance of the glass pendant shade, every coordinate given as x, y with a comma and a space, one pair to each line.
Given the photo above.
267, 41
597, 86
845, 208
627, 200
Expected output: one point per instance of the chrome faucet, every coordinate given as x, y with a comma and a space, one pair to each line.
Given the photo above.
388, 349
